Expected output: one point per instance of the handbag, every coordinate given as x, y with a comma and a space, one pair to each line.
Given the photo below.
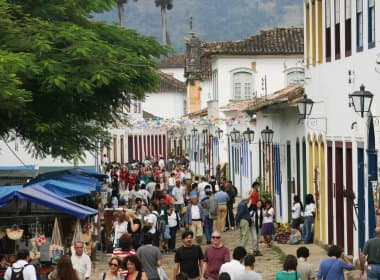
15, 233
161, 273
56, 249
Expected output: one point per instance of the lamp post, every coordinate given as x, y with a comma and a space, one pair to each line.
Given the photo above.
249, 135
235, 135
219, 133
361, 100
305, 105
267, 137
204, 134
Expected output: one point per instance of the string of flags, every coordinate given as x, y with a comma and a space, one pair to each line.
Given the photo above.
181, 122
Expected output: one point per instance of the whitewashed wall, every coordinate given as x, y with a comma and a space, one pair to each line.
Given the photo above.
165, 104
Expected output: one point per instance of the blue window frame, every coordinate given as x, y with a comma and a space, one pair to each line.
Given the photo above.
371, 24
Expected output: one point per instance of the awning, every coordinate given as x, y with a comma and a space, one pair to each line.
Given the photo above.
28, 171
4, 190
66, 189
88, 172
40, 195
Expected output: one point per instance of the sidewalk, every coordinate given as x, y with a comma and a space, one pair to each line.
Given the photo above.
317, 254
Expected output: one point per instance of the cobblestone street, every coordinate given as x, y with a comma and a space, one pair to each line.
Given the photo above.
267, 264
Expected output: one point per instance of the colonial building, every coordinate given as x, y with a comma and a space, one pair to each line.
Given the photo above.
247, 84
341, 52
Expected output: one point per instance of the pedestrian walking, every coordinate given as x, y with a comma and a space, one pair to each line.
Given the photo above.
81, 261
249, 269
234, 267
257, 215
64, 270
222, 199
113, 272
332, 267
188, 258
243, 220
371, 255
303, 267
21, 268
290, 269
150, 256
174, 224
268, 227
215, 255
194, 219
134, 267
232, 192
254, 193
210, 205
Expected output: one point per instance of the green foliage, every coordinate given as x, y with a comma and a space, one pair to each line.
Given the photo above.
64, 79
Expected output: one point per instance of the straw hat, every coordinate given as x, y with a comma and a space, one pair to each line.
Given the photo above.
14, 233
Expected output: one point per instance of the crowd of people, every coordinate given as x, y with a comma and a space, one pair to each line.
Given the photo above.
160, 201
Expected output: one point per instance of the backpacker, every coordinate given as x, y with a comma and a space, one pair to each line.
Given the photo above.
213, 211
160, 223
17, 273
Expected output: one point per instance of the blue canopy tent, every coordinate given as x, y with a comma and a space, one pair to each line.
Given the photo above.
4, 190
66, 189
40, 195
89, 173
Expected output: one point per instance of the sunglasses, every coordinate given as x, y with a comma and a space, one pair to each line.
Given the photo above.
114, 264
216, 237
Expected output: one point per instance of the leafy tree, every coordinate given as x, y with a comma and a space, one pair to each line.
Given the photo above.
164, 5
121, 11
64, 78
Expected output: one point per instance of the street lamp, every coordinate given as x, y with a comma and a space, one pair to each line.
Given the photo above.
249, 135
194, 131
267, 135
305, 105
235, 135
361, 100
219, 133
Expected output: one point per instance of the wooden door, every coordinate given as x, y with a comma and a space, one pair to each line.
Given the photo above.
339, 206
330, 194
349, 202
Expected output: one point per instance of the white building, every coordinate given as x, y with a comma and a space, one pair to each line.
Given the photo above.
341, 49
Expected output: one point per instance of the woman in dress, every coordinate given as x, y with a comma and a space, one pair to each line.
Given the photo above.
309, 214
267, 229
135, 271
64, 270
113, 272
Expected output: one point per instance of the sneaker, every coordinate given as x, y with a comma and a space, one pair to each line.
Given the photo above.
232, 228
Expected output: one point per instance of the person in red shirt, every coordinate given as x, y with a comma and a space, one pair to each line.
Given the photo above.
254, 193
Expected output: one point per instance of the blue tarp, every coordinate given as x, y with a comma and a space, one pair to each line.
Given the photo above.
89, 173
40, 195
4, 190
66, 189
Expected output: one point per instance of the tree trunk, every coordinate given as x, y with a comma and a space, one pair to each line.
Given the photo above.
164, 28
121, 12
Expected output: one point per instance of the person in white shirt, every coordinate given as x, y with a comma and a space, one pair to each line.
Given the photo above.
267, 229
296, 212
234, 268
144, 194
22, 264
81, 261
151, 222
249, 272
178, 196
307, 234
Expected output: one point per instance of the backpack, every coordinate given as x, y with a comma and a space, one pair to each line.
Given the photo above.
18, 273
213, 211
160, 224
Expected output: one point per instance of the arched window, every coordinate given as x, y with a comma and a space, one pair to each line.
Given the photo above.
242, 84
294, 76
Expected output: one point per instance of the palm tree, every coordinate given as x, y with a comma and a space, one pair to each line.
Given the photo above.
165, 5
121, 11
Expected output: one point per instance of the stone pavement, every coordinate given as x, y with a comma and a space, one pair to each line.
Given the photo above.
267, 265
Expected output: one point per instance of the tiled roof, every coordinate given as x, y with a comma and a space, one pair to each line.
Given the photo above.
169, 83
288, 95
201, 113
267, 42
174, 61
147, 115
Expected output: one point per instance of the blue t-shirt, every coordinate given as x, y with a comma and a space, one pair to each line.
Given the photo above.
332, 269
